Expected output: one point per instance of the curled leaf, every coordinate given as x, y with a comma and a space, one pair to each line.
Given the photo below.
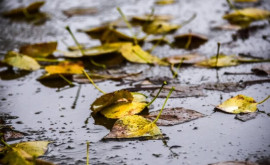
21, 61
134, 127
39, 49
137, 55
160, 27
244, 17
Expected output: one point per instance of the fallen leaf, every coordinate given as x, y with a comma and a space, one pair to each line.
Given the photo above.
21, 61
160, 27
187, 59
39, 49
227, 27
165, 2
189, 40
134, 53
173, 116
9, 134
263, 69
134, 127
149, 18
33, 148
32, 8
246, 116
181, 91
235, 163
223, 61
111, 98
239, 104
246, 1
80, 11
244, 17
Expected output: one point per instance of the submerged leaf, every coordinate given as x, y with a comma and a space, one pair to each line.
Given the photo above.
39, 49
21, 61
238, 104
111, 98
32, 8
187, 59
160, 27
223, 61
134, 53
263, 69
173, 116
134, 127
244, 17
189, 40
80, 11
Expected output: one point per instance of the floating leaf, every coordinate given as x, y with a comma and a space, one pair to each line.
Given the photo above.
39, 49
97, 50
239, 104
134, 127
246, 1
263, 69
189, 40
21, 61
244, 17
160, 27
223, 61
134, 53
111, 98
80, 11
149, 18
173, 116
165, 2
187, 59
34, 148
32, 8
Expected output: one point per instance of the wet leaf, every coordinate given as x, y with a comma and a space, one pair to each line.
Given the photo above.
250, 60
39, 49
16, 157
234, 163
223, 61
80, 11
246, 1
134, 127
33, 148
263, 69
181, 91
227, 27
111, 98
165, 2
238, 104
244, 17
149, 18
21, 61
134, 53
160, 27
97, 50
187, 59
246, 116
189, 40
173, 116
32, 8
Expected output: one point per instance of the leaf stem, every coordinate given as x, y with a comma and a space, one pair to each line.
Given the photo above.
93, 82
189, 20
164, 83
98, 64
231, 5
74, 39
157, 43
189, 41
5, 143
87, 152
64, 78
217, 56
160, 112
128, 24
264, 100
175, 73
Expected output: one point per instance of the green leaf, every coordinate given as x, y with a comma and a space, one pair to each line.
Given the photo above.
111, 98
160, 27
134, 53
244, 17
39, 49
21, 61
134, 127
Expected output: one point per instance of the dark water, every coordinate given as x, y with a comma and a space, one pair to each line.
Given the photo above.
46, 113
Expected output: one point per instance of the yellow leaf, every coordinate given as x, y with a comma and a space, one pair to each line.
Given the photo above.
147, 18
137, 55
16, 156
223, 61
39, 49
246, 0
134, 127
238, 104
245, 16
165, 2
160, 27
65, 68
21, 61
